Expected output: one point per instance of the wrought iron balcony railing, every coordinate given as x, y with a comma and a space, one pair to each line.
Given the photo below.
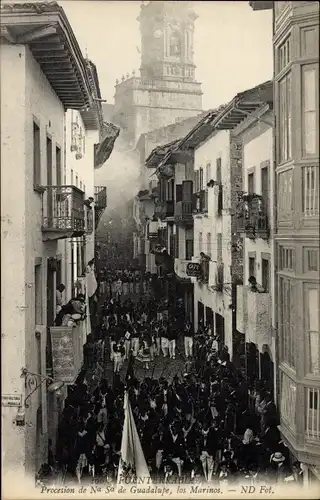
183, 211
63, 212
253, 217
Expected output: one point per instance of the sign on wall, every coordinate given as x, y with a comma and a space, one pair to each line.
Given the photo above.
11, 400
193, 269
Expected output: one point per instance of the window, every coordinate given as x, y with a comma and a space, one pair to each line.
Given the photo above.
265, 187
200, 243
208, 172
84, 188
251, 183
218, 171
77, 180
49, 162
309, 109
313, 413
37, 295
284, 55
310, 186
309, 42
285, 133
265, 274
189, 249
312, 296
58, 166
313, 259
209, 244
201, 178
219, 247
81, 185
178, 192
285, 194
252, 266
71, 178
36, 155
286, 321
286, 259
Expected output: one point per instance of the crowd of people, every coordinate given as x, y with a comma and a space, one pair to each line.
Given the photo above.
198, 426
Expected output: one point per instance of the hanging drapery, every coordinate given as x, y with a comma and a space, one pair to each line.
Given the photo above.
103, 150
92, 284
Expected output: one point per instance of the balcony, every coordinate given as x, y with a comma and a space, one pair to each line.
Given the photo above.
252, 217
153, 230
312, 418
254, 315
216, 276
100, 197
204, 276
180, 268
200, 202
183, 212
100, 203
164, 209
63, 212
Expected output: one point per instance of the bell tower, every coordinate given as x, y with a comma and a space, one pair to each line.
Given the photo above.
167, 30
166, 91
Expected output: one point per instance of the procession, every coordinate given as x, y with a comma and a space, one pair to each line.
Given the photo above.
197, 419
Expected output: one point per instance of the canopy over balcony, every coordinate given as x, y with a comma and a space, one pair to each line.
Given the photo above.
44, 28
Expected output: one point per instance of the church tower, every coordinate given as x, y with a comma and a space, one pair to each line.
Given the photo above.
166, 91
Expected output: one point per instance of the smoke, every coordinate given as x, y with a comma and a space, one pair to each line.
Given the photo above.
120, 174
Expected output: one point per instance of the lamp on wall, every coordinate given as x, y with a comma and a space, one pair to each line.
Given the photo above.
53, 386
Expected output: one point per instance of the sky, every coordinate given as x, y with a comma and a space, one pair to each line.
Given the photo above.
233, 49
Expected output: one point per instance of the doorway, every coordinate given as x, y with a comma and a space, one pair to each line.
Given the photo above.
209, 317
200, 313
220, 328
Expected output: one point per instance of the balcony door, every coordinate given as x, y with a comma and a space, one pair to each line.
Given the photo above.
220, 327
209, 316
265, 188
50, 180
200, 313
50, 294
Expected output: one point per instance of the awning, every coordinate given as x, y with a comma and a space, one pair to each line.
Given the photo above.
103, 150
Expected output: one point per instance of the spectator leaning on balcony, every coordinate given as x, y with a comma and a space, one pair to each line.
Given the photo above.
254, 286
59, 300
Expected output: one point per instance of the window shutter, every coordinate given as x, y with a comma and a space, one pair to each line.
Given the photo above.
179, 193
218, 171
187, 190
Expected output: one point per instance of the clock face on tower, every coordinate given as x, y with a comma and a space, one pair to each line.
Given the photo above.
157, 33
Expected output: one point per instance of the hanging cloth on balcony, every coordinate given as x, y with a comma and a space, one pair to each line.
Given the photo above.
92, 284
103, 150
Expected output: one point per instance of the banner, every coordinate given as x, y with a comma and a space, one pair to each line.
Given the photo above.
65, 352
132, 461
103, 150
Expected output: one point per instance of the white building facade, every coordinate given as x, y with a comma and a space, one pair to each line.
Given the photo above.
255, 311
212, 235
40, 211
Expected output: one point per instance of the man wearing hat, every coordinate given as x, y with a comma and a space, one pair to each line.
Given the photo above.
278, 466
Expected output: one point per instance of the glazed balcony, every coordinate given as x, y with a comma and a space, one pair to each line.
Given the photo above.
300, 418
252, 218
183, 212
254, 315
63, 212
